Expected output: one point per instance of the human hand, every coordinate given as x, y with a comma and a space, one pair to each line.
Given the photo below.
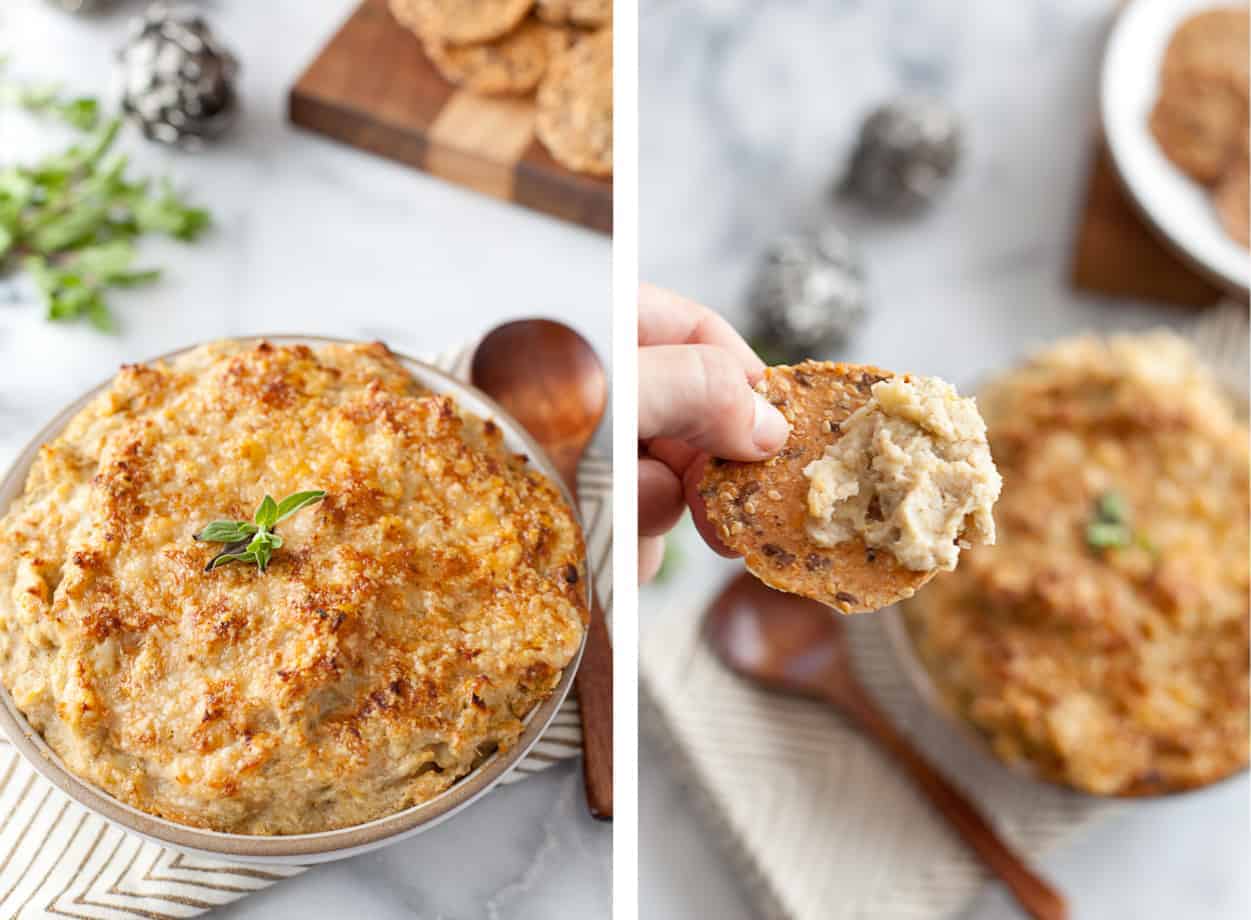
695, 400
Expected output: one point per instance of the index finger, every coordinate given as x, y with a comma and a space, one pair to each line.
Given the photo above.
666, 318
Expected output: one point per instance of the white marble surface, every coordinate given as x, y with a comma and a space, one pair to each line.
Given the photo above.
748, 108
313, 237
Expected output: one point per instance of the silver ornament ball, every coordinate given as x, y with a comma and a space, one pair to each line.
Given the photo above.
808, 295
906, 154
178, 82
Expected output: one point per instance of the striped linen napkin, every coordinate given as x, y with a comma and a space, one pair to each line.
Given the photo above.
57, 859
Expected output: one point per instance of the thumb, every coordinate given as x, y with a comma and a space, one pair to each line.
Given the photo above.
699, 394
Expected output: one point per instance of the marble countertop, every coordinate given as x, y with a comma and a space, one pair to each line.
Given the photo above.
761, 101
312, 237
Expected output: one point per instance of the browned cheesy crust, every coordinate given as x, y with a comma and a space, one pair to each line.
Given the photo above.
1116, 669
402, 632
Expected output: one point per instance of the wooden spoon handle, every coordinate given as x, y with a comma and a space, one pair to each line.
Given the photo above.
594, 684
1033, 893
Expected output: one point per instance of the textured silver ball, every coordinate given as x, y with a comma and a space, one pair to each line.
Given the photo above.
906, 154
178, 82
808, 295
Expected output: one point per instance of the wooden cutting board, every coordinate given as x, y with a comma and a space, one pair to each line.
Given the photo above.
1117, 254
373, 88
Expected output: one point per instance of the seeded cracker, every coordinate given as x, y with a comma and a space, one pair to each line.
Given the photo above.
512, 64
1199, 124
1212, 43
759, 509
1200, 117
461, 22
575, 106
575, 12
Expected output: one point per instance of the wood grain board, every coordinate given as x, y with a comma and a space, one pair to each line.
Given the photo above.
1117, 254
372, 87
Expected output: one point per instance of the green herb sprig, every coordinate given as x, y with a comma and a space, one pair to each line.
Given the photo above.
71, 219
1108, 527
255, 540
81, 112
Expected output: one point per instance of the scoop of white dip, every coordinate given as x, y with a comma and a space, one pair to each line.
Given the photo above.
910, 467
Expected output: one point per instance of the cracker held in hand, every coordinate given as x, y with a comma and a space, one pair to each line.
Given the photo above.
883, 479
512, 64
575, 106
461, 22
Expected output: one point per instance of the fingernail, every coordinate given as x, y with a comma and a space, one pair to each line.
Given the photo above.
769, 428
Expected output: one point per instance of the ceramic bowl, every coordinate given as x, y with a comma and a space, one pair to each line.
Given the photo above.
1220, 339
295, 849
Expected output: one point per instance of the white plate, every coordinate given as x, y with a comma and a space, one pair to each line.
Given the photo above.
1175, 204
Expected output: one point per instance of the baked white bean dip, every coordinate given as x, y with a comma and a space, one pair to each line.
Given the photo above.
910, 472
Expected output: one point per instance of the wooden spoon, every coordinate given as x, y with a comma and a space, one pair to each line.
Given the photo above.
549, 379
797, 646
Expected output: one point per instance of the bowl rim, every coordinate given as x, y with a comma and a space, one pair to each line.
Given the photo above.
322, 845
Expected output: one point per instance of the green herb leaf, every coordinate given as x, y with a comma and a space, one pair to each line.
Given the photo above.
71, 218
297, 501
226, 532
224, 557
262, 554
167, 214
267, 514
99, 315
266, 540
1108, 535
1112, 508
1109, 525
81, 112
255, 540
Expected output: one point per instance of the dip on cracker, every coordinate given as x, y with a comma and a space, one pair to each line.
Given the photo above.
882, 481
904, 473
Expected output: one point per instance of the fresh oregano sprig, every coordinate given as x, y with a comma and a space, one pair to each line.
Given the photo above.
1109, 526
81, 112
71, 219
255, 540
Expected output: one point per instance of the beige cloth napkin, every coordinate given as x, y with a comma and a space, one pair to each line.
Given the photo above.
57, 859
818, 822
814, 817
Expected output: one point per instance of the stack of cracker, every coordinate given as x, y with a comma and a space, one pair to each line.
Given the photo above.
561, 50
1200, 119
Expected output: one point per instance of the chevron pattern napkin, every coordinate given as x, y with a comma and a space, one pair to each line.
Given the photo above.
57, 859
